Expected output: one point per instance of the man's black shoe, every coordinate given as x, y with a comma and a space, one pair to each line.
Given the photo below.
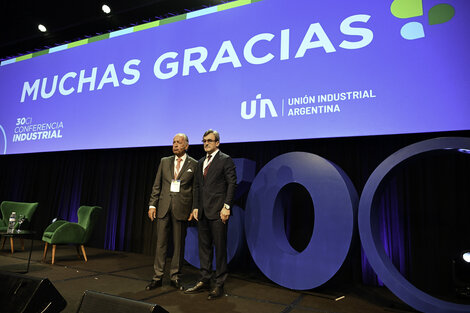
154, 284
177, 284
217, 292
200, 286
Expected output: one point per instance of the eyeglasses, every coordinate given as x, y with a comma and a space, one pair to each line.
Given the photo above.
208, 140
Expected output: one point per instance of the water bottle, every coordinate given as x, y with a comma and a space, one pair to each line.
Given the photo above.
12, 222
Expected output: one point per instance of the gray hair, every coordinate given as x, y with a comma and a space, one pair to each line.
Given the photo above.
184, 136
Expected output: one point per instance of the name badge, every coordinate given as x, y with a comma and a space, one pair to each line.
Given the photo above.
175, 185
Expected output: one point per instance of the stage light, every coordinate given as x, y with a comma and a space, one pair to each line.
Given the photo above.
461, 274
466, 151
466, 256
106, 9
42, 28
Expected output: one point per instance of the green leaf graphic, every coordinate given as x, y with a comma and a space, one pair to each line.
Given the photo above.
441, 13
407, 8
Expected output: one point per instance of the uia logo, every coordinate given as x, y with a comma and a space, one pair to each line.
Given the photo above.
3, 141
265, 105
438, 14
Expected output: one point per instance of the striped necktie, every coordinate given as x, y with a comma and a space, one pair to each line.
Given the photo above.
208, 163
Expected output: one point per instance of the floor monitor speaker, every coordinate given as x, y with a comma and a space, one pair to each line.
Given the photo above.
26, 294
97, 302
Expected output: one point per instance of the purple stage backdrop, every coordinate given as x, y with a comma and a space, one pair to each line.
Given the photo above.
267, 70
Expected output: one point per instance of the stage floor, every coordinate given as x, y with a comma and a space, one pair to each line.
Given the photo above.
126, 275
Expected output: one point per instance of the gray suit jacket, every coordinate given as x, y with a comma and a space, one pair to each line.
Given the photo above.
162, 197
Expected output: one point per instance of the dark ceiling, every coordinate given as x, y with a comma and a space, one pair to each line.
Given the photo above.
68, 21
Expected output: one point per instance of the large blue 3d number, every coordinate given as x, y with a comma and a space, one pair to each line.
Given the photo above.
370, 231
335, 201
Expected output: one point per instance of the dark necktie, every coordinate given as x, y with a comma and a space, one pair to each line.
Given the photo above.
208, 163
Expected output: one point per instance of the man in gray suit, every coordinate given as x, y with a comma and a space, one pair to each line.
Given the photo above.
171, 204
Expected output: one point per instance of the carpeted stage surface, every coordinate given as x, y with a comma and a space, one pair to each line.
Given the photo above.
127, 274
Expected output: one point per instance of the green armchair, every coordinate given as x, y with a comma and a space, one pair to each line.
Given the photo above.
63, 232
21, 208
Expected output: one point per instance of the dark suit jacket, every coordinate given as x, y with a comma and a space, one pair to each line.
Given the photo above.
217, 188
161, 196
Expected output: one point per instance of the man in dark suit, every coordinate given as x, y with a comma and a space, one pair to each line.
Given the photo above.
214, 189
171, 203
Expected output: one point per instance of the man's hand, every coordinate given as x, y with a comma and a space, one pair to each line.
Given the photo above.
152, 213
193, 215
224, 215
